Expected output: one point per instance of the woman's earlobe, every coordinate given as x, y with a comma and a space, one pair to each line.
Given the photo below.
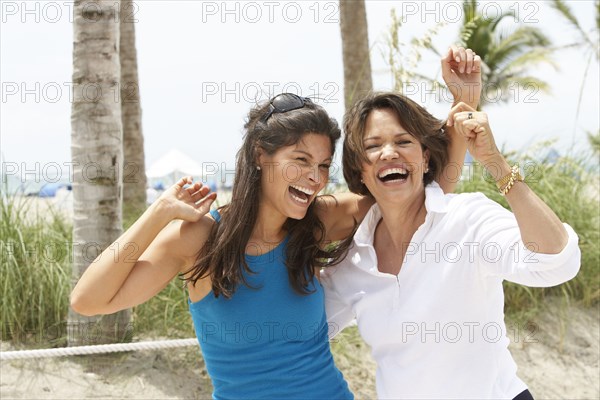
258, 158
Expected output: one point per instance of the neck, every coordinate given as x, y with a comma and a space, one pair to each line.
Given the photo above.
400, 221
268, 227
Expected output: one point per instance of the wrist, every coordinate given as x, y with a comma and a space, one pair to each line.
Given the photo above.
497, 167
471, 104
160, 212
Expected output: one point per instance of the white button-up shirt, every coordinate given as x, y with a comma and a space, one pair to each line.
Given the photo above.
437, 329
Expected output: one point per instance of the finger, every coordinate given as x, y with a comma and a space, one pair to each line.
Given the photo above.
194, 187
469, 135
471, 124
466, 126
463, 59
458, 108
446, 61
183, 181
469, 63
204, 205
476, 64
200, 193
449, 54
455, 53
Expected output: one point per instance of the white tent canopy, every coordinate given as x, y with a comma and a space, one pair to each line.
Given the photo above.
174, 163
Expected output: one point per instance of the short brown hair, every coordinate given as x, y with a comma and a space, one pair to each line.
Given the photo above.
427, 129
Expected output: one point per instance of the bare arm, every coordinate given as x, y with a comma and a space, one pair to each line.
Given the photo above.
538, 224
161, 250
461, 70
339, 212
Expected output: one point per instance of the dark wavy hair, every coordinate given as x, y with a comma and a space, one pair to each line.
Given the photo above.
223, 256
427, 129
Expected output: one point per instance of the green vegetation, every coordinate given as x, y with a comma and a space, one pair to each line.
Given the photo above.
36, 271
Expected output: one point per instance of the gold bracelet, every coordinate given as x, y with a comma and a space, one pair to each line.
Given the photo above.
504, 180
508, 181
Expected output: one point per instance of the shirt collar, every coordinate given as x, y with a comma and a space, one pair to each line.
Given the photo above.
436, 202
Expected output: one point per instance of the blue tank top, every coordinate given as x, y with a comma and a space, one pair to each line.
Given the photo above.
269, 342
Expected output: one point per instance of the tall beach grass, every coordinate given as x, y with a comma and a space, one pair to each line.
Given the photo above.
35, 265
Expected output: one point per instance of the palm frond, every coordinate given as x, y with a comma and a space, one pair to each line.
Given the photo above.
531, 83
594, 140
466, 32
531, 58
494, 23
469, 11
524, 39
564, 10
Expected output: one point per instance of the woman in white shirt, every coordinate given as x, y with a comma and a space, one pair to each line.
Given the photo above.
423, 278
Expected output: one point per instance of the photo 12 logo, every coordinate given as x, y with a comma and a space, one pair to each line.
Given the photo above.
253, 12
53, 12
253, 92
454, 11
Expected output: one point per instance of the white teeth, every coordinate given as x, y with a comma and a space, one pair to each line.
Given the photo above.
304, 190
392, 171
299, 199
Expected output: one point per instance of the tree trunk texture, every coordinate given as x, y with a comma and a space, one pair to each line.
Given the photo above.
134, 168
97, 156
355, 48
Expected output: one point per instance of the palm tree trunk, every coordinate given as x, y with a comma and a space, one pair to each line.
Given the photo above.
134, 174
355, 48
97, 156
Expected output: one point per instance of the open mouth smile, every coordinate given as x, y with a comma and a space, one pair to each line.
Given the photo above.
395, 174
300, 194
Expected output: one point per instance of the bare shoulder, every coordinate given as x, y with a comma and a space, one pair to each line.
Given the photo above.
340, 211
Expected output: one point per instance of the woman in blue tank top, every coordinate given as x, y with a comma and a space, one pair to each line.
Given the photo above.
257, 308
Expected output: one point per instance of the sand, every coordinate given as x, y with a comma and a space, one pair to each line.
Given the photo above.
559, 359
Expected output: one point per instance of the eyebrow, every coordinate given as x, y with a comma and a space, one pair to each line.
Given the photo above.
309, 155
379, 137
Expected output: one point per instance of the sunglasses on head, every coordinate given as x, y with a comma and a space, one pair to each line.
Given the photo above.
285, 102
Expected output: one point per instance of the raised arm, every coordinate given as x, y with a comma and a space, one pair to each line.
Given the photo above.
461, 70
151, 252
538, 224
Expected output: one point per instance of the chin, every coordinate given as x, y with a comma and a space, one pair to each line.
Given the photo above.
297, 215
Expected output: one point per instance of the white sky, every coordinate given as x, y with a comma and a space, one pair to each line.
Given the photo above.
200, 68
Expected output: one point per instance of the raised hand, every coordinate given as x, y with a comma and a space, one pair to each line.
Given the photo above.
474, 127
188, 204
461, 70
